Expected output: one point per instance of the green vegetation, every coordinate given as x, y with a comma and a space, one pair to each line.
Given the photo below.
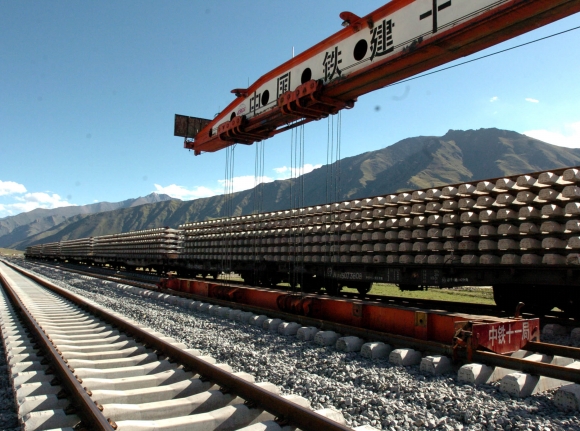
475, 295
10, 252
472, 295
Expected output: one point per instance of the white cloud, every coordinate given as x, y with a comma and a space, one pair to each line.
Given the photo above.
494, 99
32, 201
40, 197
240, 183
16, 199
529, 99
10, 188
567, 136
286, 172
243, 182
183, 193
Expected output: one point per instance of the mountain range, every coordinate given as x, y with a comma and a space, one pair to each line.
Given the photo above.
413, 163
14, 229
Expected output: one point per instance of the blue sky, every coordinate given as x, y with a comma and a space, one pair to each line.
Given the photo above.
88, 92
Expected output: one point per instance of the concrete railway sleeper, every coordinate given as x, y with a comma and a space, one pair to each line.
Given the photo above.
536, 368
124, 376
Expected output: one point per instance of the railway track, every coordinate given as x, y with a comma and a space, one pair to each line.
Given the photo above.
75, 364
423, 345
350, 398
115, 295
151, 281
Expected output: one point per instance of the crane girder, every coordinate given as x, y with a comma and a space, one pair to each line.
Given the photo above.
400, 39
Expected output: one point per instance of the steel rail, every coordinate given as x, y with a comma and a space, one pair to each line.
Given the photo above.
452, 306
493, 359
92, 417
488, 358
554, 349
434, 304
530, 367
284, 410
399, 340
102, 275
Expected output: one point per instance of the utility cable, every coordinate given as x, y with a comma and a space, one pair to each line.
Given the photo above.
481, 58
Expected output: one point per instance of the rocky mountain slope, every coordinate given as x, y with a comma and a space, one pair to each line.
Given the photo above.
413, 163
14, 229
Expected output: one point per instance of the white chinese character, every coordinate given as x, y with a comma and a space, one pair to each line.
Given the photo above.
493, 335
509, 333
501, 334
526, 333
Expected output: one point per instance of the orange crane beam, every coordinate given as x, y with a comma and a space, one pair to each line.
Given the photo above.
399, 40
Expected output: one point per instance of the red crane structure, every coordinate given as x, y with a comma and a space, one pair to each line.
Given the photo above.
399, 40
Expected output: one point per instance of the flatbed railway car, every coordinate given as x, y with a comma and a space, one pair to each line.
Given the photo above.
519, 234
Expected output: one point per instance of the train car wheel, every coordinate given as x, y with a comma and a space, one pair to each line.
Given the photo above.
309, 284
249, 278
409, 287
362, 287
537, 301
505, 297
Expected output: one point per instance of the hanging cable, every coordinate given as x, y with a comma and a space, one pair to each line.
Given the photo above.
338, 155
292, 265
259, 178
299, 199
301, 214
258, 207
333, 189
292, 206
295, 222
227, 213
292, 133
302, 166
329, 147
338, 195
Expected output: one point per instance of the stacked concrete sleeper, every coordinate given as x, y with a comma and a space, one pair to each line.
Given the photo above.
526, 219
519, 220
79, 248
149, 243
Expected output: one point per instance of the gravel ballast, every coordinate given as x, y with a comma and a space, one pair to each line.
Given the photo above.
8, 415
367, 392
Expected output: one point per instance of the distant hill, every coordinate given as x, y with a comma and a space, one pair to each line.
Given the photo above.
413, 163
14, 229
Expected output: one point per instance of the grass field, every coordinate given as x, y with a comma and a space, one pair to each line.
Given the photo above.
9, 252
475, 295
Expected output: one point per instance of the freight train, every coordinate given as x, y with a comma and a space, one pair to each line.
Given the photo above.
519, 234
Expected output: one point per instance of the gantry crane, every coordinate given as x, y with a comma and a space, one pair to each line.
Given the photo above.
396, 41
